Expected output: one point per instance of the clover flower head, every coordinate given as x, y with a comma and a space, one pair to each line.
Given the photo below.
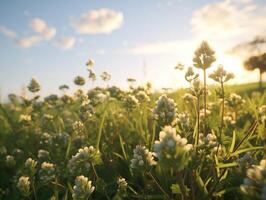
191, 75
92, 75
43, 154
106, 76
82, 161
211, 140
171, 149
122, 184
79, 80
30, 166
24, 186
165, 111
142, 158
82, 189
78, 127
220, 75
235, 100
254, 184
34, 86
47, 172
131, 101
183, 120
90, 63
204, 56
10, 161
142, 96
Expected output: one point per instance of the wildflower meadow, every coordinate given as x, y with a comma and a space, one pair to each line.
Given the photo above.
201, 142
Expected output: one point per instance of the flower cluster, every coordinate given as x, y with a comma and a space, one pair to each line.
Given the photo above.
47, 172
142, 158
24, 186
254, 184
30, 166
220, 75
122, 184
165, 111
171, 149
79, 81
78, 127
82, 161
131, 102
82, 189
34, 86
204, 56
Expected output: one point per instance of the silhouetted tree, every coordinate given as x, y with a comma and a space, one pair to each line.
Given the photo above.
257, 62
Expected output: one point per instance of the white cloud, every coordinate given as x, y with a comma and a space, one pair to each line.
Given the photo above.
44, 32
7, 32
41, 27
98, 21
66, 42
29, 41
234, 20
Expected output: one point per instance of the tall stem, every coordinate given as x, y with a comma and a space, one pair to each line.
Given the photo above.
222, 118
205, 101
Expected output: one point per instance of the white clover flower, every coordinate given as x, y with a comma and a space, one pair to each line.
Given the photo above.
183, 120
229, 118
82, 189
235, 100
122, 184
131, 101
211, 140
82, 161
78, 127
142, 96
47, 172
30, 165
24, 185
165, 111
254, 184
142, 158
43, 154
171, 148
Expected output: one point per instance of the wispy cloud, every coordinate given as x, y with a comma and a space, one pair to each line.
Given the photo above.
229, 19
66, 43
41, 27
7, 32
29, 41
98, 21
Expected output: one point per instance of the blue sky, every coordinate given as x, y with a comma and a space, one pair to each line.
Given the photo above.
51, 41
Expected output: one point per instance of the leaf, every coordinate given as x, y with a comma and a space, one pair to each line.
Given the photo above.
175, 189
201, 183
246, 149
233, 142
227, 165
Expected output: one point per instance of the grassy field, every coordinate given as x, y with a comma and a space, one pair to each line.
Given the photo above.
134, 144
